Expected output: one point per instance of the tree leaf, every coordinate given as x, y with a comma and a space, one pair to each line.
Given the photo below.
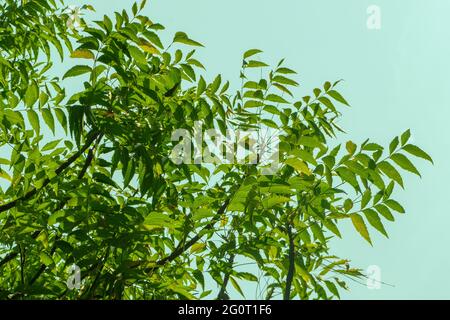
360, 226
298, 165
404, 163
416, 151
375, 221
338, 97
391, 172
48, 118
137, 54
351, 147
393, 145
34, 120
82, 54
251, 52
405, 137
235, 284
76, 71
197, 247
31, 95
394, 205
182, 37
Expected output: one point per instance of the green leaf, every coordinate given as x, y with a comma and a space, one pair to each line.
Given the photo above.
182, 37
137, 55
416, 151
318, 233
284, 80
276, 98
283, 70
393, 145
216, 84
247, 276
251, 52
43, 98
82, 54
348, 176
61, 116
367, 195
348, 205
31, 95
48, 119
201, 86
375, 221
404, 163
394, 205
338, 97
405, 137
46, 258
385, 212
34, 121
157, 219
143, 3
351, 147
274, 200
256, 64
100, 177
270, 123
51, 145
76, 71
298, 165
360, 226
327, 102
197, 247
332, 288
236, 286
390, 171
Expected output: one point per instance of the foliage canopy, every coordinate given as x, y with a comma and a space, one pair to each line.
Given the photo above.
89, 181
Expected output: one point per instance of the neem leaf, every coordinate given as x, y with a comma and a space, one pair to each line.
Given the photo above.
338, 97
298, 165
34, 120
182, 37
31, 95
360, 226
137, 54
374, 220
82, 54
404, 163
416, 151
76, 71
251, 52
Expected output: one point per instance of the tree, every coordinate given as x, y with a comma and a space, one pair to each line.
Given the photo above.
91, 184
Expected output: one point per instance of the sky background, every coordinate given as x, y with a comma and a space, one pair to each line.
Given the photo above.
395, 78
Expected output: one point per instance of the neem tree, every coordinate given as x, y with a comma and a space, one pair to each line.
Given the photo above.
106, 198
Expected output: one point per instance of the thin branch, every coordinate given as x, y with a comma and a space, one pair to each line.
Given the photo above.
290, 274
223, 290
182, 247
91, 138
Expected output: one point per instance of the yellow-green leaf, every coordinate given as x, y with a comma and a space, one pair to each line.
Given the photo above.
360, 226
82, 54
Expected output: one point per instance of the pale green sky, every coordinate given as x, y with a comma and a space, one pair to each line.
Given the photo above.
395, 78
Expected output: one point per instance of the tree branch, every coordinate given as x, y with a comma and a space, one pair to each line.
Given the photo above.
80, 176
223, 289
92, 136
95, 136
291, 269
182, 247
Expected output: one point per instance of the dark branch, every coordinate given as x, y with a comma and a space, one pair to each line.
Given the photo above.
223, 289
92, 136
291, 269
183, 246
